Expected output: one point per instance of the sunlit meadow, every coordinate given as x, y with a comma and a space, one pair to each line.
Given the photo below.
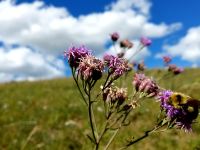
57, 114
99, 75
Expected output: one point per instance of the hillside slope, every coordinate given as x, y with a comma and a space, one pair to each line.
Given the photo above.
49, 115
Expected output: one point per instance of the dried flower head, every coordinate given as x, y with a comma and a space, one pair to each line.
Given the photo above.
145, 41
145, 84
115, 94
114, 36
90, 68
121, 54
130, 66
141, 66
126, 44
117, 66
75, 54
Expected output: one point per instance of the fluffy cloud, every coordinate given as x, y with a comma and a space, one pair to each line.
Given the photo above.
48, 30
52, 29
22, 63
142, 6
188, 47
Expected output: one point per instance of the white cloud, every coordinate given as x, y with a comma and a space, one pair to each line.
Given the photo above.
188, 47
52, 29
48, 30
24, 64
142, 6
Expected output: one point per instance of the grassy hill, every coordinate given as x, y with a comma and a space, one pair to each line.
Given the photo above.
49, 115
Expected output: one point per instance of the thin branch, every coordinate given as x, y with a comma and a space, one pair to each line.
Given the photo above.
111, 139
76, 81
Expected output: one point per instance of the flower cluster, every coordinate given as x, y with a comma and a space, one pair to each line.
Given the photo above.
174, 69
114, 36
145, 84
126, 44
74, 55
145, 41
117, 66
90, 68
115, 94
167, 59
180, 109
141, 66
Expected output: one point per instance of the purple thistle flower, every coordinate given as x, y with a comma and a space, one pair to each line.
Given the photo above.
90, 68
114, 36
117, 66
178, 71
126, 44
75, 54
170, 110
182, 113
145, 84
138, 78
145, 41
167, 59
174, 69
165, 95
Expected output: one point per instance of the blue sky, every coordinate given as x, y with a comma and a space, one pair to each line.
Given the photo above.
45, 28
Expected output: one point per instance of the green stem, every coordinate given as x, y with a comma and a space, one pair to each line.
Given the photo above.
111, 139
105, 129
146, 134
91, 118
76, 81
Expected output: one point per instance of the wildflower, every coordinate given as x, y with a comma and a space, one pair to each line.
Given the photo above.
178, 71
120, 55
126, 44
138, 78
117, 66
115, 94
75, 54
131, 105
171, 67
141, 66
114, 36
167, 59
180, 109
90, 68
130, 66
174, 69
145, 41
146, 85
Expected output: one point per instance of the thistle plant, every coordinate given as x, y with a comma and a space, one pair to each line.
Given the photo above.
177, 109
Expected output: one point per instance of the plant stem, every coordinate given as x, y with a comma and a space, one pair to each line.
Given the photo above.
102, 134
146, 134
91, 118
73, 74
111, 139
106, 81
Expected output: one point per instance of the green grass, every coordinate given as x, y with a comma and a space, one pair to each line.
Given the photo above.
49, 115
